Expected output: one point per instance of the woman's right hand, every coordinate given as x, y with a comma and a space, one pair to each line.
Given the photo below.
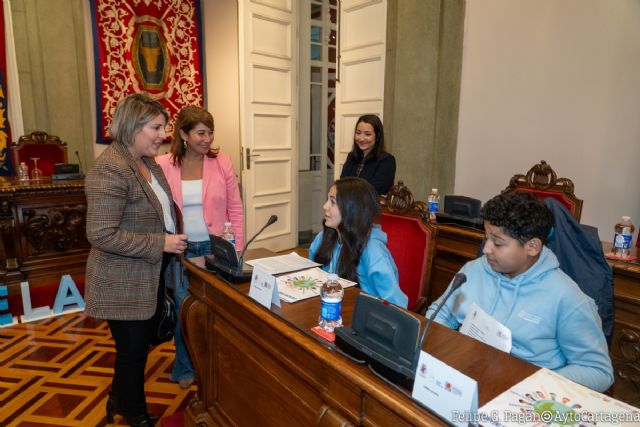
175, 243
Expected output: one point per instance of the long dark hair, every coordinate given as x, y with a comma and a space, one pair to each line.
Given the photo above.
378, 147
188, 118
359, 209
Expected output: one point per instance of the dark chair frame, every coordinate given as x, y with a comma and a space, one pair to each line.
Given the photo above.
541, 180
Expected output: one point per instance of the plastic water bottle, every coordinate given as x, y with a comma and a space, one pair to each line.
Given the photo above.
622, 237
433, 200
331, 304
23, 172
228, 234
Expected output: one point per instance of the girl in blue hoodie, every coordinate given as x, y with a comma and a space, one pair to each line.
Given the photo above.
518, 282
351, 246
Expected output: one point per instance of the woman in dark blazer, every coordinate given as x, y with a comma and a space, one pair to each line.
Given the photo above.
367, 158
131, 228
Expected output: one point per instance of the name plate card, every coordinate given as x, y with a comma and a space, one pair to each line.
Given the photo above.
445, 391
264, 288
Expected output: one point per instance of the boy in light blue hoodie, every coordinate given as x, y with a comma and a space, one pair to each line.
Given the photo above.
519, 283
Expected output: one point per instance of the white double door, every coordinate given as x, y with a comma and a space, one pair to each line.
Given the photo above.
269, 103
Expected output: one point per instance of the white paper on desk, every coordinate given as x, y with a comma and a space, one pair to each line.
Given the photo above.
264, 288
481, 326
282, 264
446, 391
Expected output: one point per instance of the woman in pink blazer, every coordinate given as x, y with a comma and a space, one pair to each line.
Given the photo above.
205, 188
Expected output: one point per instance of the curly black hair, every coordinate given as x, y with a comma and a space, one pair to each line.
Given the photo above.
520, 215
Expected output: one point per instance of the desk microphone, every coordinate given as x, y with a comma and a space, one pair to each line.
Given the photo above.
458, 280
272, 219
79, 161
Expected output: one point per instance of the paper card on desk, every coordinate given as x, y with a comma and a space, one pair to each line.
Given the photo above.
548, 399
264, 288
305, 284
481, 326
446, 391
283, 263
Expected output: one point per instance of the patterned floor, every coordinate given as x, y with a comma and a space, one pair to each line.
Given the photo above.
57, 372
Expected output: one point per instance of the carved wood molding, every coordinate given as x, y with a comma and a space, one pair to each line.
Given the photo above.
399, 200
542, 177
58, 228
40, 137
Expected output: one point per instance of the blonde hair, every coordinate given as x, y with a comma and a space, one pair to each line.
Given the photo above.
132, 113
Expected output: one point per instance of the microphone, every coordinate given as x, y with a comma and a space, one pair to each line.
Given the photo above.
79, 161
458, 280
272, 219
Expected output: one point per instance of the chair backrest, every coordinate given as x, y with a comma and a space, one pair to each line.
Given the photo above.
410, 239
49, 150
542, 181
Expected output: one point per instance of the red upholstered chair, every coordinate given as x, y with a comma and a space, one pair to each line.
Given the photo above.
49, 150
542, 181
411, 240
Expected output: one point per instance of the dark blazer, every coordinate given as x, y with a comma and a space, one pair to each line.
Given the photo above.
380, 172
125, 226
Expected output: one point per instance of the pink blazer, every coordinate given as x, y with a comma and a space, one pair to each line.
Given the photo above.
221, 199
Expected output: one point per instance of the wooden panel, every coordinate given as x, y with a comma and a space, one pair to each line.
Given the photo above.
42, 235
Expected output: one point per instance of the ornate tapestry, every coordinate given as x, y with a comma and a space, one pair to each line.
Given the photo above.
5, 134
150, 46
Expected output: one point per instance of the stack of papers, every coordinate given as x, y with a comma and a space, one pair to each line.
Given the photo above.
282, 264
304, 284
547, 399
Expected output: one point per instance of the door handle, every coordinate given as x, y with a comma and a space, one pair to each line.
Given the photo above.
249, 156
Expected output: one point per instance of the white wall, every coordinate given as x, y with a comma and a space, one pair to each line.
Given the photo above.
556, 81
220, 33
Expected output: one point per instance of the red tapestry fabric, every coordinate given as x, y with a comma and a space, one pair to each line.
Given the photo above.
5, 132
146, 46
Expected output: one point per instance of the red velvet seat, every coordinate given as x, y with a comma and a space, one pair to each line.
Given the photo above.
49, 150
410, 241
542, 181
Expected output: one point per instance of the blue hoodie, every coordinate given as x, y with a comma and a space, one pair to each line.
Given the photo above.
552, 322
377, 272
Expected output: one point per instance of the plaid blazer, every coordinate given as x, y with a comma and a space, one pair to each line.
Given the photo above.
125, 226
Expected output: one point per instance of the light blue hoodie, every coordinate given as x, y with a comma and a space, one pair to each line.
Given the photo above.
553, 324
377, 272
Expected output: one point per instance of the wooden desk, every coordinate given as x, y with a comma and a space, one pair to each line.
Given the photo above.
42, 232
455, 246
265, 367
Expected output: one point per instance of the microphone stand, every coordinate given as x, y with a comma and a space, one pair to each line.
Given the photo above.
458, 280
271, 220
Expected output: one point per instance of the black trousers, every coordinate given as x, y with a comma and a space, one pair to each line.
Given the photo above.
133, 340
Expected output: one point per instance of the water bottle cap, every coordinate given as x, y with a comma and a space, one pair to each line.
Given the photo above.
626, 218
332, 276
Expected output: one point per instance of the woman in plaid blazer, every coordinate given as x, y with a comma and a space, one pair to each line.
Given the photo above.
131, 228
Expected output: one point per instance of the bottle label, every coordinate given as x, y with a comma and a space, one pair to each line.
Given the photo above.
622, 241
330, 310
433, 206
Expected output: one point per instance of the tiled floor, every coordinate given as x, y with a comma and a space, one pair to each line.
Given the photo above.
57, 372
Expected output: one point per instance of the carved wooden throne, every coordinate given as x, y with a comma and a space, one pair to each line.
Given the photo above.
541, 180
411, 240
49, 149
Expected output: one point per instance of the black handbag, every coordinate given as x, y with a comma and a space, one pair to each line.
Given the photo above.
167, 321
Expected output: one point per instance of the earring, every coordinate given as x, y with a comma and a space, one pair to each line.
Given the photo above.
184, 145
